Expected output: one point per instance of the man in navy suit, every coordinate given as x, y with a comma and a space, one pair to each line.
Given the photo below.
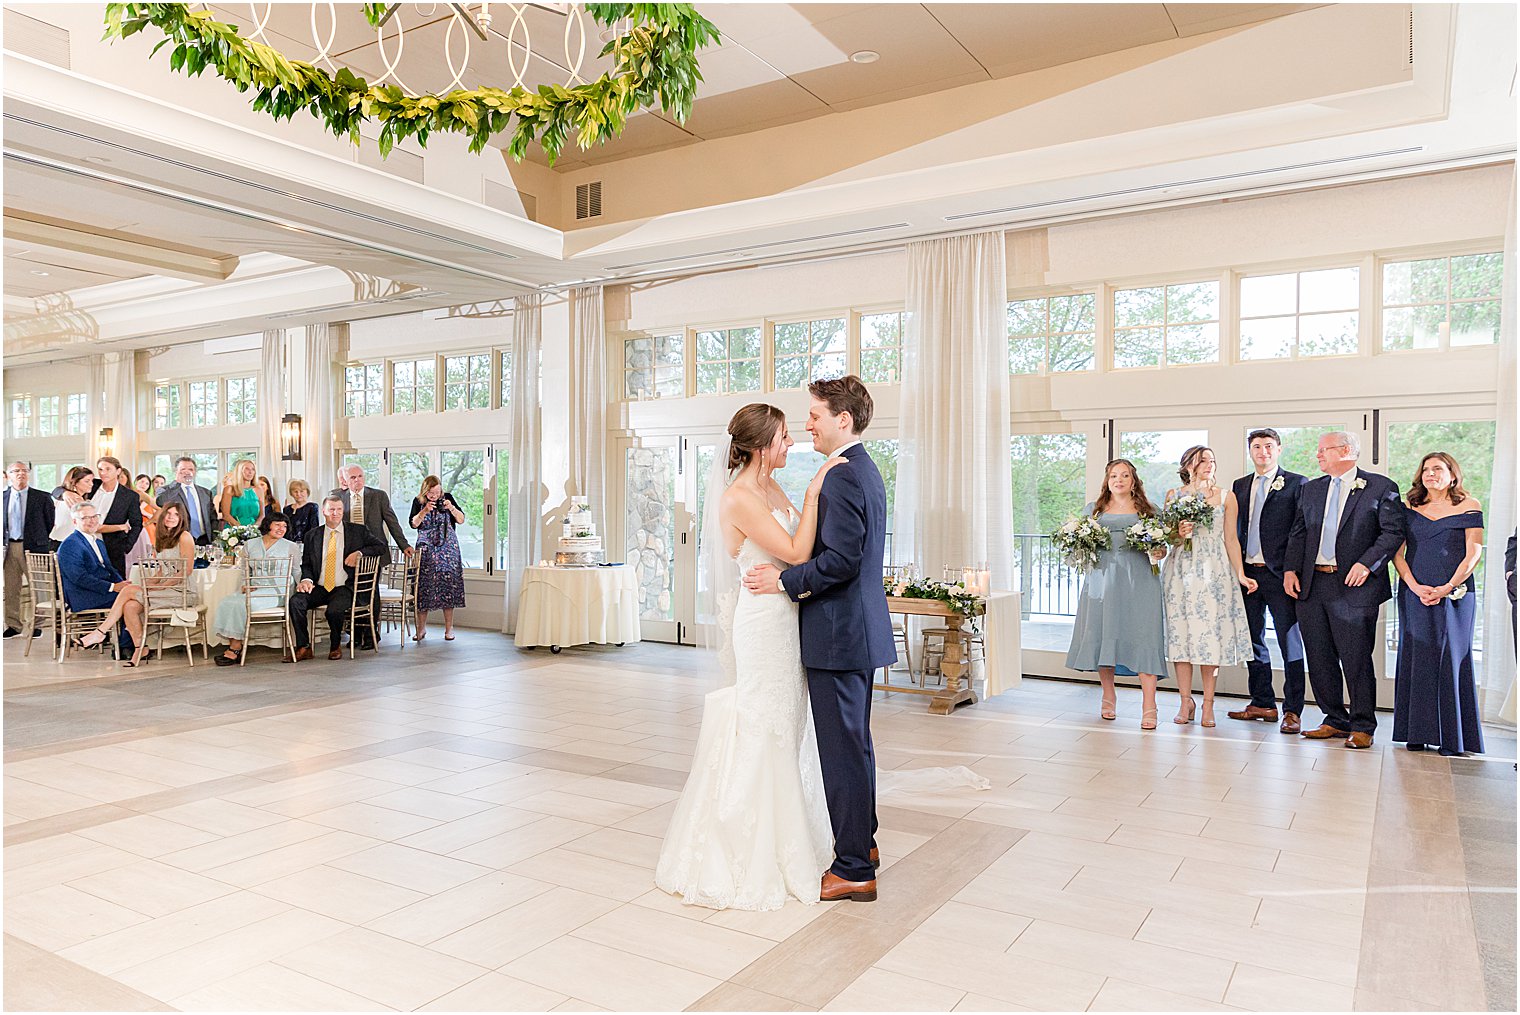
195, 502
1266, 503
28, 518
845, 628
1349, 525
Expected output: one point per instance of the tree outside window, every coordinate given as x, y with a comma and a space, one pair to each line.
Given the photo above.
467, 382
76, 417
205, 400
807, 351
1166, 325
1442, 301
47, 415
504, 366
1299, 314
242, 400
881, 342
413, 385
728, 361
364, 389
1052, 334
166, 407
463, 474
21, 417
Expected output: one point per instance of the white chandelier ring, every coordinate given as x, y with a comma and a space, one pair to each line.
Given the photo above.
575, 62
391, 73
324, 46
458, 72
519, 17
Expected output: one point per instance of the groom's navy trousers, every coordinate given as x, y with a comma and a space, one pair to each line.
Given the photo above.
846, 636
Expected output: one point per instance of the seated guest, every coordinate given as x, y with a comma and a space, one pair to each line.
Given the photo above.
328, 559
367, 506
28, 518
232, 613
301, 514
91, 583
269, 504
238, 503
175, 546
75, 490
200, 512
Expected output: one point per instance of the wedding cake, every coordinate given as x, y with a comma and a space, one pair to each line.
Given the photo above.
579, 545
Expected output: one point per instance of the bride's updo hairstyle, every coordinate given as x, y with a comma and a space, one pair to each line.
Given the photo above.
752, 429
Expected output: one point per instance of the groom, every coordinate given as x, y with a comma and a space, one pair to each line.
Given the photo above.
846, 631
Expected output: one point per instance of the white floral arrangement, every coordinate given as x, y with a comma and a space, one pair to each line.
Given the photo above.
234, 537
1188, 508
1149, 536
1080, 541
1458, 592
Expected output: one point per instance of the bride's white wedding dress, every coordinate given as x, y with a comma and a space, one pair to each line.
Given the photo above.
752, 825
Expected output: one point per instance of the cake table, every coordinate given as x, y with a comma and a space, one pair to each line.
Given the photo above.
562, 606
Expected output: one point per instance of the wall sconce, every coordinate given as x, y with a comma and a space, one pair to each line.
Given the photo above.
290, 437
107, 442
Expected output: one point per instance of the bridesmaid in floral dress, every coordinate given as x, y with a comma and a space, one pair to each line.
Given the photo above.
440, 581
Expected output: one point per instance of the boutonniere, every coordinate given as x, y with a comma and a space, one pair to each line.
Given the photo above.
1457, 593
1277, 484
1360, 484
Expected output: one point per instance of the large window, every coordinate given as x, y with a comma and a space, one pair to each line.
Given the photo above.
1157, 455
364, 389
808, 351
881, 342
884, 454
1052, 334
467, 382
208, 470
654, 367
242, 400
21, 417
166, 407
1442, 301
728, 360
47, 415
408, 470
47, 475
205, 403
1049, 475
369, 461
1166, 325
413, 385
503, 484
76, 415
463, 474
1299, 314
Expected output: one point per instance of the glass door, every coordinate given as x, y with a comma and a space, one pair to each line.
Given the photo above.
658, 539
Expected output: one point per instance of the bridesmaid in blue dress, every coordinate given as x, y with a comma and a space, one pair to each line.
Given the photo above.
1435, 698
1120, 623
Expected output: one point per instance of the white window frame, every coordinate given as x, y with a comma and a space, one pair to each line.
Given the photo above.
41, 414
171, 406
1447, 252
1167, 324
211, 411
694, 345
858, 341
1098, 293
76, 407
394, 386
21, 422
364, 367
1360, 266
809, 355
469, 382
252, 402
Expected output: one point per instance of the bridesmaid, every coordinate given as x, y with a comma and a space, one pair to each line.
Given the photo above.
1205, 614
1435, 699
1119, 623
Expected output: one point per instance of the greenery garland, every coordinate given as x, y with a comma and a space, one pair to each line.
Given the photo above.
655, 61
955, 596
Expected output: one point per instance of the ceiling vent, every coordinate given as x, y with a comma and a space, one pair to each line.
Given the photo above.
36, 39
588, 200
1411, 36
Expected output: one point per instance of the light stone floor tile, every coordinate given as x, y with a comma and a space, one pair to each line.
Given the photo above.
339, 894
579, 808
976, 1002
52, 847
698, 946
671, 905
271, 987
511, 933
243, 845
1226, 907
582, 871
153, 889
495, 992
61, 870
1007, 977
451, 836
1288, 953
377, 822
524, 842
1257, 857
396, 973
1135, 860
985, 929
292, 859
1118, 995
429, 803
775, 924
447, 912
884, 990
623, 982
147, 835
620, 845
1257, 989
57, 917
220, 817
416, 869
1151, 965
143, 942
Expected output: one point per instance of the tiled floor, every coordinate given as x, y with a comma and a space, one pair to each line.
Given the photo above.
470, 827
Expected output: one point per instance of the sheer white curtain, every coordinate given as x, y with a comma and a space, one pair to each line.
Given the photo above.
1499, 512
120, 412
588, 396
97, 417
271, 408
953, 502
318, 443
525, 493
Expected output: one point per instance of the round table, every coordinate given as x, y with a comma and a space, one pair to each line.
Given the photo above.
562, 606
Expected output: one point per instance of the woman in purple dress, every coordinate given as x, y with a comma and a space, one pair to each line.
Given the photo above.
1435, 700
440, 581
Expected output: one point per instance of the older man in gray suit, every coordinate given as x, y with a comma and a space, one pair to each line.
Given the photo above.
367, 506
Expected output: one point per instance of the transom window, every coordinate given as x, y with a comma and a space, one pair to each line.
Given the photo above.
21, 417
364, 389
808, 351
881, 342
1052, 334
76, 414
728, 360
242, 400
1166, 325
166, 407
467, 382
1299, 314
1442, 301
654, 367
414, 385
205, 400
47, 415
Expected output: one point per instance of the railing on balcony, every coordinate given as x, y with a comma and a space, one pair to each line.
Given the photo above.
1048, 585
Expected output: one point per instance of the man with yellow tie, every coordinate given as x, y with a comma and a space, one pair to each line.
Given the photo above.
327, 578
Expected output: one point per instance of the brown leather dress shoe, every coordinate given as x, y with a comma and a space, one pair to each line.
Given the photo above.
1359, 741
1290, 723
336, 653
303, 654
1255, 712
835, 888
1326, 732
875, 858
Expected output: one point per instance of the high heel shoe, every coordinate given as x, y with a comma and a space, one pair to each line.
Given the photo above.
1108, 709
1185, 715
1148, 719
92, 639
1208, 712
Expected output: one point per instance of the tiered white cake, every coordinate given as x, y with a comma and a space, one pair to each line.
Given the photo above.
579, 545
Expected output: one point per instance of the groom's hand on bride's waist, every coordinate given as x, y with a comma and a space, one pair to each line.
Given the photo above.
763, 579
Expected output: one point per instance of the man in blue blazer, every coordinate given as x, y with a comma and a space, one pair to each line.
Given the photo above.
1266, 503
1349, 525
845, 628
91, 582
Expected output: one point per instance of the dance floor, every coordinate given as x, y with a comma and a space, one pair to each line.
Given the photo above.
465, 826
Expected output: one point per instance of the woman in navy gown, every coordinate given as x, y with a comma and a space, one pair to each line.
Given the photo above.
1435, 699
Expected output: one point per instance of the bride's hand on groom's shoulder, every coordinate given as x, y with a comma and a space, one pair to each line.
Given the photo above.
817, 484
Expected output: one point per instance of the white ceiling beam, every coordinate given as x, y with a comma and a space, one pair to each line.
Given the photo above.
82, 248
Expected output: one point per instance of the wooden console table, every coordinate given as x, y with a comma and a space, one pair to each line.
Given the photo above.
953, 665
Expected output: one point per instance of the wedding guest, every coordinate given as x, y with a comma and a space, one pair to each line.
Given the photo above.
175, 547
1435, 697
1119, 625
440, 578
1265, 504
197, 501
76, 489
328, 559
144, 487
1349, 524
1205, 616
120, 511
159, 482
28, 515
367, 506
269, 504
90, 582
231, 617
301, 515
238, 503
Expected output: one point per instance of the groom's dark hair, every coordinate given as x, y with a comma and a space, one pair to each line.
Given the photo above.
846, 394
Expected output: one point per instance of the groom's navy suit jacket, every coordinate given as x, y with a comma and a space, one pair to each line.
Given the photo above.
1371, 530
843, 616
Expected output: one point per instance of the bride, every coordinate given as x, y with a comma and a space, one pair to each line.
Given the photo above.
752, 826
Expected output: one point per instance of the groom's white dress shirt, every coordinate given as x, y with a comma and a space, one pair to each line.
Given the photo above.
841, 450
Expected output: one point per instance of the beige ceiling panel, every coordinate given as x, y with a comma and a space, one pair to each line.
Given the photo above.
732, 69
766, 105
746, 23
30, 276
908, 92
1198, 19
644, 133
1010, 39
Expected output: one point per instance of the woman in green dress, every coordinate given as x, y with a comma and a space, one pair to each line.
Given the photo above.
239, 501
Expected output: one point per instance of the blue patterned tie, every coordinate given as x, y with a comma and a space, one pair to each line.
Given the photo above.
192, 502
18, 498
1332, 526
1253, 531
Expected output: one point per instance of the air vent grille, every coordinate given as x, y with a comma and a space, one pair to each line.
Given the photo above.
588, 200
1411, 36
36, 39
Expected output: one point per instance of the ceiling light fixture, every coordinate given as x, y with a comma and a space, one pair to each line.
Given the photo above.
37, 272
865, 56
99, 160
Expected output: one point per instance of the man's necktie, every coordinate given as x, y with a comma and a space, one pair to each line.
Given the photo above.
192, 503
357, 500
1253, 530
1332, 525
18, 500
330, 562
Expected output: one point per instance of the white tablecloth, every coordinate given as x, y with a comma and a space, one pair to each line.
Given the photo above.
1004, 639
578, 606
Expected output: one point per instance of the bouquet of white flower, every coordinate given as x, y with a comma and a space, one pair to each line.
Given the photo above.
1188, 508
231, 538
1148, 535
1079, 542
